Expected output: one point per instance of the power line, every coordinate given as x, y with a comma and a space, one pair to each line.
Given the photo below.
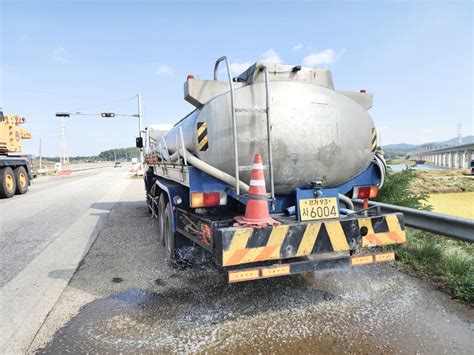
105, 104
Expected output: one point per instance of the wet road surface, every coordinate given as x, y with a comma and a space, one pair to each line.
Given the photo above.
126, 298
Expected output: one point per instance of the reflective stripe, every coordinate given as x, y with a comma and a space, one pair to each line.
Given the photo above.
257, 182
257, 166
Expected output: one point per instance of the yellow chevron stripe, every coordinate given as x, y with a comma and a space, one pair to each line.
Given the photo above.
202, 128
392, 223
337, 236
368, 224
202, 143
252, 254
384, 238
239, 241
277, 236
309, 239
374, 133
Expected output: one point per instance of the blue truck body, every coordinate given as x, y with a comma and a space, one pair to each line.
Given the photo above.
247, 253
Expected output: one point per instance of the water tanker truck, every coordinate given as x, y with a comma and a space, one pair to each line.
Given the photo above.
15, 168
262, 174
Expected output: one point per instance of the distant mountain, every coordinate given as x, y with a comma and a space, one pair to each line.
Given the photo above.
404, 148
452, 141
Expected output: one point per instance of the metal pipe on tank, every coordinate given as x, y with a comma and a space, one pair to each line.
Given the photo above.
209, 169
234, 122
269, 137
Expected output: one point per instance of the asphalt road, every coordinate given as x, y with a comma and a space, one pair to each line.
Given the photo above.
126, 298
32, 221
44, 234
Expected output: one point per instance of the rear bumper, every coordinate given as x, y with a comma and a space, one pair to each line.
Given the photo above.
264, 272
242, 245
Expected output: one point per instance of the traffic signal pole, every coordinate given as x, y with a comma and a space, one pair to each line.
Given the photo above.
140, 124
138, 115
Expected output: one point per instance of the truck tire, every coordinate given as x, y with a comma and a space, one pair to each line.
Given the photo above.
161, 218
169, 235
22, 180
7, 182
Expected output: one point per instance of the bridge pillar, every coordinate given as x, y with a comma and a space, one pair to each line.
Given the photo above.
463, 160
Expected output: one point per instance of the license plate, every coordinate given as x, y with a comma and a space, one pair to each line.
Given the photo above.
318, 208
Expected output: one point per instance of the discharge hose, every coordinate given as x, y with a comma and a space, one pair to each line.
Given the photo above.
208, 169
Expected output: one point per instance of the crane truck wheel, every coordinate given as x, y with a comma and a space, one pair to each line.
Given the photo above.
168, 234
21, 178
161, 218
7, 182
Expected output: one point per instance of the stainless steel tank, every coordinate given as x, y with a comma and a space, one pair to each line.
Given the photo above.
317, 133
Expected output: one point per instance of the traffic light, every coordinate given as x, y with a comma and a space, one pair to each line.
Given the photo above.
107, 114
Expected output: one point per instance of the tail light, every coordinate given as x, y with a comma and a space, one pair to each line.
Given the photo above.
208, 199
365, 192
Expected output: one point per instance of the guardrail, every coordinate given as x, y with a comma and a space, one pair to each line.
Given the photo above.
449, 226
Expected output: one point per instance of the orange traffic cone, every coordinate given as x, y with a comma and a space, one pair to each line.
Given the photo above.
256, 211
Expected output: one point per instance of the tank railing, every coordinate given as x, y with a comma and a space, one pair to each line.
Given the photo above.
269, 136
182, 145
161, 151
234, 122
166, 148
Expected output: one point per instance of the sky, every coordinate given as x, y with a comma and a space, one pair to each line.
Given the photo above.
95, 56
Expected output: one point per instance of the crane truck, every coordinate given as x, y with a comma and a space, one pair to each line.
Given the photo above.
278, 127
15, 168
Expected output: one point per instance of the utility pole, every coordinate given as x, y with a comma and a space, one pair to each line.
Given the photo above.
40, 166
140, 124
63, 157
459, 134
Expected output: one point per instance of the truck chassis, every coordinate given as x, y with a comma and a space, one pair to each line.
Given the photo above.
15, 175
248, 253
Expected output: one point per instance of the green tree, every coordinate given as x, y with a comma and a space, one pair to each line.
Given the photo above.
396, 190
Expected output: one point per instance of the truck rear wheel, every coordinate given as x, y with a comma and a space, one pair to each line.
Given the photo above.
169, 235
21, 177
7, 182
161, 218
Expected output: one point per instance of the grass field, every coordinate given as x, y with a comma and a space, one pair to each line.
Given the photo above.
442, 181
446, 262
456, 204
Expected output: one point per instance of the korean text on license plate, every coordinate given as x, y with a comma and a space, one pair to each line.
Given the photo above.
318, 208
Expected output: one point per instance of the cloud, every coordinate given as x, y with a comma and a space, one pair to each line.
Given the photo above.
327, 56
271, 56
60, 55
164, 70
297, 47
238, 68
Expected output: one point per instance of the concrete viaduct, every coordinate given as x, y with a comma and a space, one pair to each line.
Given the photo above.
457, 157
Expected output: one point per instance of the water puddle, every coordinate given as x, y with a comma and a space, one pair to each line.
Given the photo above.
199, 313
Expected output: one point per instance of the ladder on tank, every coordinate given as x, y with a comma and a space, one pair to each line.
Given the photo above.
268, 138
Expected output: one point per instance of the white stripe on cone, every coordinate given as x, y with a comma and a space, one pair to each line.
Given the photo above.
257, 182
257, 166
